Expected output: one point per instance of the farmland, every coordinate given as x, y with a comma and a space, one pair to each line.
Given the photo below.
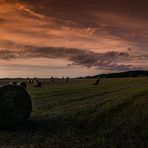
77, 114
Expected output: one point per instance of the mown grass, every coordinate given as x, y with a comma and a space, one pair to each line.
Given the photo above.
77, 114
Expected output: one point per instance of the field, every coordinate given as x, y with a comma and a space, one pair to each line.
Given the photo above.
77, 114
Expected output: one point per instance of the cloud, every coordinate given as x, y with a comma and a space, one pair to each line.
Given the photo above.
107, 60
2, 20
110, 30
94, 29
29, 11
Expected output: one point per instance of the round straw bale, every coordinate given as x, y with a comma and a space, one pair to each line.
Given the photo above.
35, 81
37, 84
67, 79
13, 83
23, 84
15, 106
30, 80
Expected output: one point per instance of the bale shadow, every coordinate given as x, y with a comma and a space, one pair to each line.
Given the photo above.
44, 126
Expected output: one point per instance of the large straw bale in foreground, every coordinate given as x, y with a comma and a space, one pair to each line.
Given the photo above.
15, 106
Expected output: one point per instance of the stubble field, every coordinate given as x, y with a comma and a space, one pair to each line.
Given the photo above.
77, 114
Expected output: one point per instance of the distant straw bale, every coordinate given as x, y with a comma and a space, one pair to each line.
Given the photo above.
37, 84
22, 84
13, 83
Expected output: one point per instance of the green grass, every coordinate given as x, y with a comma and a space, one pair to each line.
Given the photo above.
77, 114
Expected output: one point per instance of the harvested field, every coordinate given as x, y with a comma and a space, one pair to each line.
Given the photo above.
80, 115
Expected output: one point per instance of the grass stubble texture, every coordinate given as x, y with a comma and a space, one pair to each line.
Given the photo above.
77, 114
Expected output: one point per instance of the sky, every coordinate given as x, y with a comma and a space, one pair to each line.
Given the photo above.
72, 37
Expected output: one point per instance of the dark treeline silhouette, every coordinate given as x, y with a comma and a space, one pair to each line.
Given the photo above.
127, 74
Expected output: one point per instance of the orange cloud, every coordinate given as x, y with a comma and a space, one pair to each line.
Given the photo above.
93, 31
27, 10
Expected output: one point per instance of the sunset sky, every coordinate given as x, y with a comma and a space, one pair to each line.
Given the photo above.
73, 38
